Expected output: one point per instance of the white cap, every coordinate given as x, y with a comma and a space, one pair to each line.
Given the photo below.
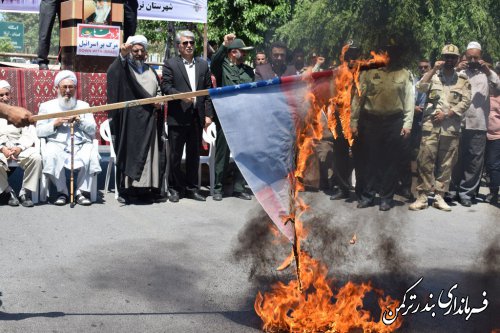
138, 39
474, 45
62, 75
4, 84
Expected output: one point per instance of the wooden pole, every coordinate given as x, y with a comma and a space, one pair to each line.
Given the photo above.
121, 105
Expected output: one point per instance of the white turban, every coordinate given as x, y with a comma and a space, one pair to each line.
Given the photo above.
474, 45
63, 75
4, 84
138, 39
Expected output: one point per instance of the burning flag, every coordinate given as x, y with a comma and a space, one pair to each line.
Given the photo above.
260, 122
271, 128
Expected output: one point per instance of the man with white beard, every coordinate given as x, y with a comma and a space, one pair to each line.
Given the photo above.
57, 154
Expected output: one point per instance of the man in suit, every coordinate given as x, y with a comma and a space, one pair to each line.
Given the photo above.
187, 117
277, 67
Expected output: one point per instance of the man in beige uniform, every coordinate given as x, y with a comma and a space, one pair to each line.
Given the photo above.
448, 97
384, 113
18, 144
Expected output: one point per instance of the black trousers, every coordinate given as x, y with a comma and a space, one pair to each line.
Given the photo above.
341, 162
129, 18
468, 170
493, 163
178, 137
382, 145
48, 11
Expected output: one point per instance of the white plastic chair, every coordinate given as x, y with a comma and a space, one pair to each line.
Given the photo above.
45, 181
15, 164
209, 135
105, 132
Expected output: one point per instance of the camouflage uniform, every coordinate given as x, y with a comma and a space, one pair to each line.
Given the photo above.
439, 145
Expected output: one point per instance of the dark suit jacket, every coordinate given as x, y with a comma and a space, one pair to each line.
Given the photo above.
175, 80
265, 72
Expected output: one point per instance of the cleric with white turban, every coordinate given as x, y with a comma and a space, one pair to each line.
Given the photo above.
56, 155
138, 39
62, 75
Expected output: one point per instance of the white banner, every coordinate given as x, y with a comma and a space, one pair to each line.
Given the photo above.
163, 10
98, 40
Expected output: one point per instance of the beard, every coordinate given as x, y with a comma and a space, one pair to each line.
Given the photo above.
66, 103
139, 63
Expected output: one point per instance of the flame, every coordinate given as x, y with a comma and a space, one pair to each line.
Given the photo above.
286, 308
347, 76
305, 304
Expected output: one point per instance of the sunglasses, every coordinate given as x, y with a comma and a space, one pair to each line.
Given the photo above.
190, 42
423, 67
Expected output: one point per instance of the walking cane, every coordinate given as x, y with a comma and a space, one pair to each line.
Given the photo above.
72, 166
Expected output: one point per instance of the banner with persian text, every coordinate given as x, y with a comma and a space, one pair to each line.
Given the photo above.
165, 10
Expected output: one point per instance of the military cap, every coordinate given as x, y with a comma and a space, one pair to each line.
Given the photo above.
450, 49
239, 44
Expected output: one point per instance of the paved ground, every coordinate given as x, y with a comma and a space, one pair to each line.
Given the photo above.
182, 268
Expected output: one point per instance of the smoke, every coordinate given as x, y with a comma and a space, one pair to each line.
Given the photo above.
377, 255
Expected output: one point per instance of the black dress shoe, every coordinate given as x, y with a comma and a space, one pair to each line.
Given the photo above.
340, 195
217, 196
242, 195
384, 205
173, 196
123, 199
195, 195
13, 201
364, 203
492, 198
43, 66
466, 202
25, 200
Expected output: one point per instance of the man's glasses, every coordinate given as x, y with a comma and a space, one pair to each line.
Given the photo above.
64, 88
5, 94
423, 67
190, 42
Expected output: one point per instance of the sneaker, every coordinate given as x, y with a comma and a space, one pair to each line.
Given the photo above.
439, 203
420, 203
61, 199
82, 200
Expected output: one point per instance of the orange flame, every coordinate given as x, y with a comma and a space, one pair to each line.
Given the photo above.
287, 309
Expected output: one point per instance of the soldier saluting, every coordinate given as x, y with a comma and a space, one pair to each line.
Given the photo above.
448, 97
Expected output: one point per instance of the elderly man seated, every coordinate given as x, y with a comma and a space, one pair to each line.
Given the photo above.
18, 144
57, 153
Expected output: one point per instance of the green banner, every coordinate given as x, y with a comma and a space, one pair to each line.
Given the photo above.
15, 32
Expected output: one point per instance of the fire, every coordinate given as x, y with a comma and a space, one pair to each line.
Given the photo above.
286, 309
305, 304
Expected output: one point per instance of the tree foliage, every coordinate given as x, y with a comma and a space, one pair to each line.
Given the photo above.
255, 21
426, 25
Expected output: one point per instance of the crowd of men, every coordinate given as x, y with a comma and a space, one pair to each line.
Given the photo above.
447, 120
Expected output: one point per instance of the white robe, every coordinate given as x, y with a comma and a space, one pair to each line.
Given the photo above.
57, 152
